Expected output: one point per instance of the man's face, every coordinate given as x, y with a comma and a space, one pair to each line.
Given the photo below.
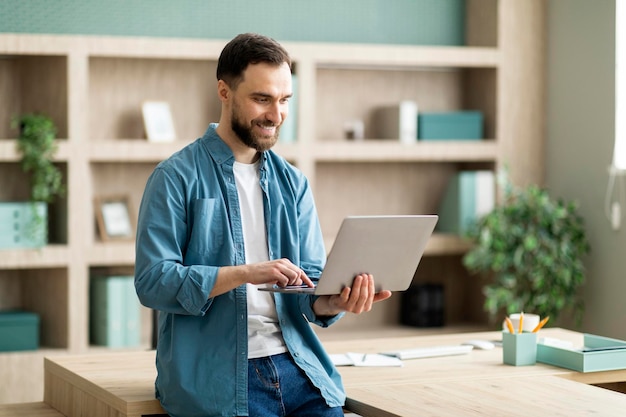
259, 105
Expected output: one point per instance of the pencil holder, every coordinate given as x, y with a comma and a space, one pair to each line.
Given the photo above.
519, 349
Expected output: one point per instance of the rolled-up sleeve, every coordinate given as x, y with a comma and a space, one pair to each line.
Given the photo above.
162, 279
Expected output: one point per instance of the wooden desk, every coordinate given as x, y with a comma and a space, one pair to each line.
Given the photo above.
122, 384
476, 384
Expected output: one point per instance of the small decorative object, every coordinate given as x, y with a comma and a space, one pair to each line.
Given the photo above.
158, 122
114, 218
531, 247
353, 129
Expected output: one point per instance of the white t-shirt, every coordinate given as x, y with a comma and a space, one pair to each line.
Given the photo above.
264, 334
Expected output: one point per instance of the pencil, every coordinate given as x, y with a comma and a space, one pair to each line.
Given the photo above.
521, 322
541, 324
509, 325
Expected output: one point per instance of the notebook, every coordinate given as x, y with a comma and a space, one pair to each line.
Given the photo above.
388, 247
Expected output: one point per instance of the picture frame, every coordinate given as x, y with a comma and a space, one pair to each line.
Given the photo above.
158, 121
114, 218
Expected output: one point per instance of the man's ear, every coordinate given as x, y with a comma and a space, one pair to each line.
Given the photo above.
223, 90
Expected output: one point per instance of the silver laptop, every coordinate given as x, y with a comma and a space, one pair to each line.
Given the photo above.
388, 247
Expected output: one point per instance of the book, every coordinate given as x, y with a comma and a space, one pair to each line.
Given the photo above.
469, 196
289, 128
396, 122
114, 312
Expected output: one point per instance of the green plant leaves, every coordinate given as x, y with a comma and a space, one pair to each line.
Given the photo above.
37, 146
532, 247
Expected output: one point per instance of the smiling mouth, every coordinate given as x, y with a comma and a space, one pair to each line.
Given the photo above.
269, 129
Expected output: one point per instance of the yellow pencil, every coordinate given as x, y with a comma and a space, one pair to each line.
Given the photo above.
521, 322
509, 325
541, 324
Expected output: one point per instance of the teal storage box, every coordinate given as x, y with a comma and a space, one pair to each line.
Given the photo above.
23, 225
599, 354
461, 125
19, 330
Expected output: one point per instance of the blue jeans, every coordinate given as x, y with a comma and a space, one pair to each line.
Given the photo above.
277, 387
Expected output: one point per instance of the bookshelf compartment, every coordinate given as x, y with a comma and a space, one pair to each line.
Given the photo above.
15, 187
120, 179
42, 291
463, 297
122, 284
118, 86
343, 189
33, 84
353, 94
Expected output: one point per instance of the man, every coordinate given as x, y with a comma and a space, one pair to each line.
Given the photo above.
220, 218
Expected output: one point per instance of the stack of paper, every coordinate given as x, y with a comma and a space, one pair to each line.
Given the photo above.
364, 359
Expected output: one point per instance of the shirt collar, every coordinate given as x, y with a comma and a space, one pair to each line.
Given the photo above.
219, 150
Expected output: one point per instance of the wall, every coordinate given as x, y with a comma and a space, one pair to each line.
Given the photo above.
426, 22
580, 132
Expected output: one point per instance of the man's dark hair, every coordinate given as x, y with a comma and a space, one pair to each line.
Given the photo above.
246, 49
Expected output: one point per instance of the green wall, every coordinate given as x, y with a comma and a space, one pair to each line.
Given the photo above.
419, 22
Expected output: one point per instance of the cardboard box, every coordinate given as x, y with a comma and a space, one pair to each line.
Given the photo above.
461, 125
19, 330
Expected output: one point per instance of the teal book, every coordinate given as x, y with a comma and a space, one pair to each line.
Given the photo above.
114, 312
469, 196
132, 331
289, 128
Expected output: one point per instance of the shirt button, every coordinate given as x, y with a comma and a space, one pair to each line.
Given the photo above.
296, 354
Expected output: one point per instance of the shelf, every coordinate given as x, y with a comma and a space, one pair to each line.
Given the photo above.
395, 56
112, 253
51, 256
8, 150
132, 150
392, 151
446, 244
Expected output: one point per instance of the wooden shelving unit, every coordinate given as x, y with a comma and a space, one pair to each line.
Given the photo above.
93, 88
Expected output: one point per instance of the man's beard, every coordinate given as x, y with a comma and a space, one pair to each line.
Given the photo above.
249, 138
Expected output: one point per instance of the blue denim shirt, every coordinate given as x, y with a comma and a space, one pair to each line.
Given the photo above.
189, 226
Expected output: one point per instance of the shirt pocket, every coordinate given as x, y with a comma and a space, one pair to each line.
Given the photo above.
207, 231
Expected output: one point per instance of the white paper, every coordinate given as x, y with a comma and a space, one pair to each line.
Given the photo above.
363, 359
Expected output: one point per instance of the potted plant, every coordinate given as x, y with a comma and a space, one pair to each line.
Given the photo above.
36, 145
532, 247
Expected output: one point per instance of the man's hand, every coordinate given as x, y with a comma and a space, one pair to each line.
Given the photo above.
281, 272
356, 299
